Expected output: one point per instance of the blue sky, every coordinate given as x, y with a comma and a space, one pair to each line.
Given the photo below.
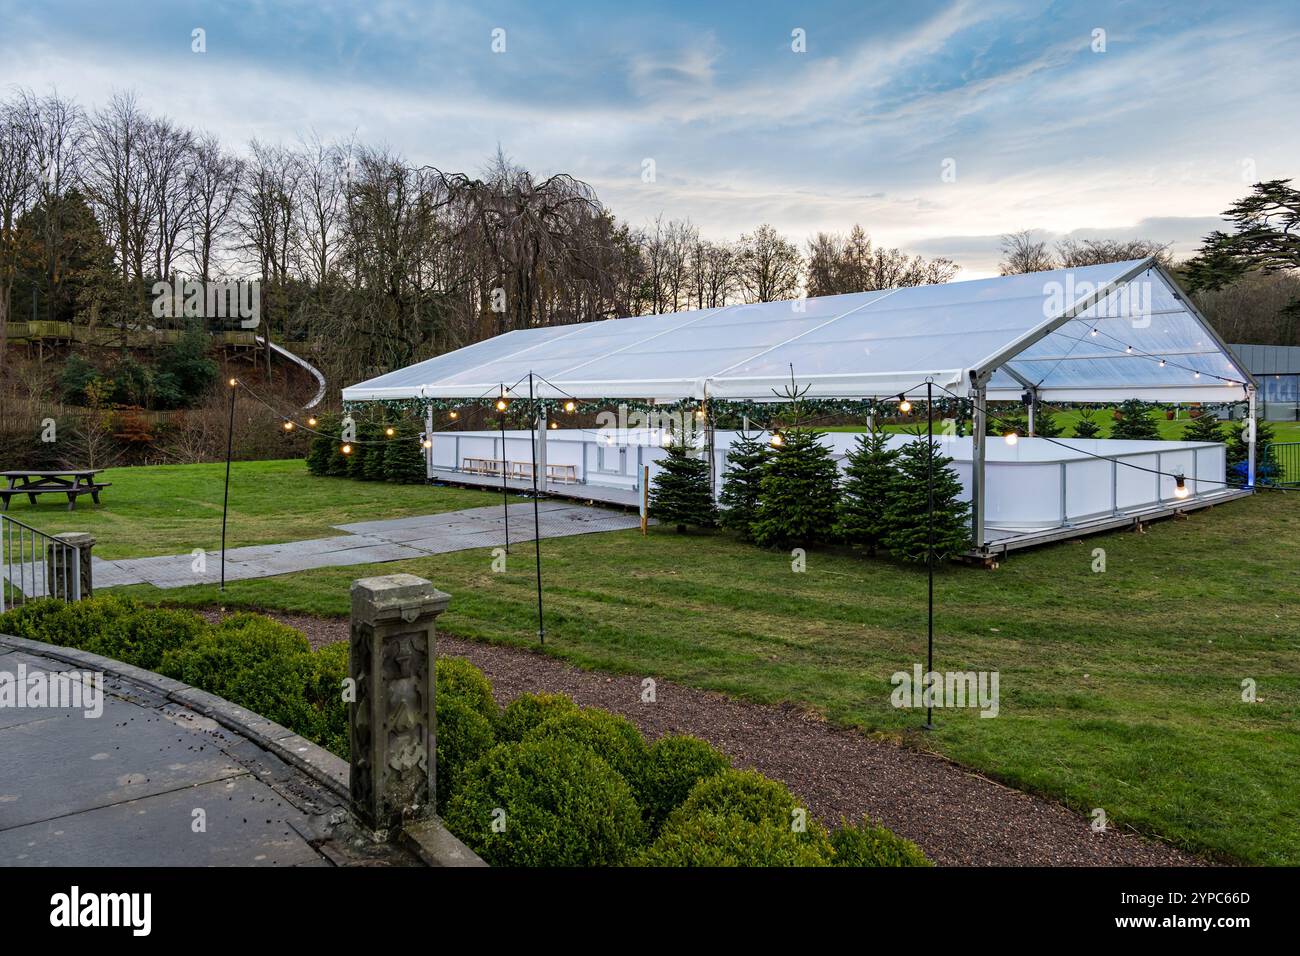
1154, 136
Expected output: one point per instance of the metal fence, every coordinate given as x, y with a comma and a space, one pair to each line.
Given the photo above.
1283, 464
34, 564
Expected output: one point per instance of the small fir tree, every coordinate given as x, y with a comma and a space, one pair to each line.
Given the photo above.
680, 494
1239, 448
1045, 424
1205, 428
1135, 422
1087, 426
364, 453
404, 462
375, 467
869, 480
740, 482
323, 446
797, 495
906, 514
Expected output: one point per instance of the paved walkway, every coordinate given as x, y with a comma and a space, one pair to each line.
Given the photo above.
155, 779
368, 542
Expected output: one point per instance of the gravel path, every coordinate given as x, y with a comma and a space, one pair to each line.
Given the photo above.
957, 817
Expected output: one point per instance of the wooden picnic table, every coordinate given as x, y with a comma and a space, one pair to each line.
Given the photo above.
72, 482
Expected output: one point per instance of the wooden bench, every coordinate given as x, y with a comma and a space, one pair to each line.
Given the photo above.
482, 466
73, 482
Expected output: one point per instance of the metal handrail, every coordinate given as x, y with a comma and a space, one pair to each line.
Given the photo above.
39, 565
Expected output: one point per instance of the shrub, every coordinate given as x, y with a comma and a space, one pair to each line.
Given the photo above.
869, 479
1135, 422
256, 663
745, 819
1206, 427
324, 693
77, 374
740, 483
673, 765
111, 626
324, 445
907, 530
364, 455
404, 461
870, 845
563, 806
528, 711
464, 735
613, 739
722, 839
746, 793
1087, 426
797, 495
681, 492
458, 678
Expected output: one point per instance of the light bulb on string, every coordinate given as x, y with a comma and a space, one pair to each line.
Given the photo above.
904, 405
570, 406
1093, 333
234, 382
1180, 487
426, 443
288, 426
454, 415
555, 424
777, 440
311, 423
502, 404
346, 449
390, 431
1196, 375
1162, 363
1128, 350
1011, 437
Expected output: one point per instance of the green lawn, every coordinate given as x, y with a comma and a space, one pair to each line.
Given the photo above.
1169, 429
170, 509
1119, 690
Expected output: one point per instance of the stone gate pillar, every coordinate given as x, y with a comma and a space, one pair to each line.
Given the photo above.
393, 725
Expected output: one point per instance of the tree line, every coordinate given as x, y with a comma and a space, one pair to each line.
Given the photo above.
368, 260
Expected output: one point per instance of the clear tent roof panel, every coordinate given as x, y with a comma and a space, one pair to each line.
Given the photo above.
865, 344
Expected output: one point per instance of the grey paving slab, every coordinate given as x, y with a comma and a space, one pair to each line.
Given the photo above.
244, 823
368, 542
69, 763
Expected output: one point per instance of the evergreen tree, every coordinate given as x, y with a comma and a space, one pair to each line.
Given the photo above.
1045, 425
364, 454
680, 492
1205, 428
1135, 422
404, 461
739, 495
797, 495
869, 480
1087, 426
323, 455
907, 510
1239, 449
375, 468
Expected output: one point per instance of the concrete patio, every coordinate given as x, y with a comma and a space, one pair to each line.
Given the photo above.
368, 542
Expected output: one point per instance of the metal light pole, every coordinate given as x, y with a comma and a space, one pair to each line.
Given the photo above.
505, 490
537, 526
225, 501
929, 540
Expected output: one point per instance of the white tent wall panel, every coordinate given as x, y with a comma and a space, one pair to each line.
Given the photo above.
1033, 485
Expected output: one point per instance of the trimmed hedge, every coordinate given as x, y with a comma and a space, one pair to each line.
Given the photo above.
673, 766
458, 678
613, 739
531, 710
546, 803
870, 845
578, 787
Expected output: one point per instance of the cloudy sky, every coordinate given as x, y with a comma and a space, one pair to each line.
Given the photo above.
936, 125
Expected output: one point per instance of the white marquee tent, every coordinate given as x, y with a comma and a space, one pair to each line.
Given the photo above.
1095, 334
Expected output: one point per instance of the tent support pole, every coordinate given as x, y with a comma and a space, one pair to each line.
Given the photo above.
1250, 438
979, 446
537, 523
505, 487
